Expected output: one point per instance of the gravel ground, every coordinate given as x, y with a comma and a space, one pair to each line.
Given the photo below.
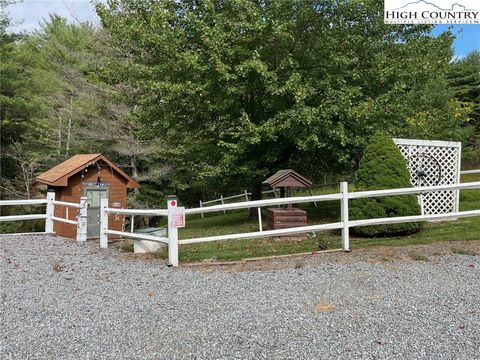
61, 300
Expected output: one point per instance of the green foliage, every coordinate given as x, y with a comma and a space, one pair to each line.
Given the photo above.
197, 97
60, 95
32, 97
240, 88
464, 79
383, 167
418, 257
9, 227
461, 251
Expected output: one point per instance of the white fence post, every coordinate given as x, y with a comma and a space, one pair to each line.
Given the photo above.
103, 223
201, 206
82, 220
50, 212
344, 216
172, 233
246, 196
311, 194
260, 219
221, 199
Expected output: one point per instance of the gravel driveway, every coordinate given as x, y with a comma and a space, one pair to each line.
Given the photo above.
61, 300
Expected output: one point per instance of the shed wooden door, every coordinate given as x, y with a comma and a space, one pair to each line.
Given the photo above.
93, 210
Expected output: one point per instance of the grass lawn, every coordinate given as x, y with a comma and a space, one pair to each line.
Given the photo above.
236, 222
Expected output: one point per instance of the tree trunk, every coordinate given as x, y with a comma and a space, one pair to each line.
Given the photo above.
69, 131
59, 135
256, 195
133, 165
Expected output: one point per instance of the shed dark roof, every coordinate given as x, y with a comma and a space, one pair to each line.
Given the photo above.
287, 177
58, 175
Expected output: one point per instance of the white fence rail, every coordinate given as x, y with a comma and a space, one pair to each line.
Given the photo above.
245, 195
344, 196
49, 215
467, 172
23, 202
22, 217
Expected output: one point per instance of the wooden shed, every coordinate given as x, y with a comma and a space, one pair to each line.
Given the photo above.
93, 176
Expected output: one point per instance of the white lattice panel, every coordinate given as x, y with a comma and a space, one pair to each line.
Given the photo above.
433, 163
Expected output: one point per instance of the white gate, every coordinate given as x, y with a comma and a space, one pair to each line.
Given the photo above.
433, 163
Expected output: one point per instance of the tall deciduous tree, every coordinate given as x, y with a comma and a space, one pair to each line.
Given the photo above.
246, 87
464, 78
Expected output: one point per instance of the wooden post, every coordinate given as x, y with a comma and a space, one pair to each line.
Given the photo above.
82, 220
289, 194
103, 223
132, 223
172, 233
50, 212
344, 216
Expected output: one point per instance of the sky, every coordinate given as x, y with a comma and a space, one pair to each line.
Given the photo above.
28, 14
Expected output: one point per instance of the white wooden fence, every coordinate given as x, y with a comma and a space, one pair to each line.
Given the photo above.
172, 239
344, 224
49, 215
245, 195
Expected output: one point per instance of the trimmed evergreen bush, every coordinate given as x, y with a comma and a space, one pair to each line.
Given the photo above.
383, 167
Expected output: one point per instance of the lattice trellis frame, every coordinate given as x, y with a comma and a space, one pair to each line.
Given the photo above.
433, 163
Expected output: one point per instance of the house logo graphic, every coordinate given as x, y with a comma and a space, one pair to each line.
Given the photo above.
432, 12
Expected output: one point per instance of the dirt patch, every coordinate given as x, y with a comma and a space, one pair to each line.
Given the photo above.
324, 307
388, 256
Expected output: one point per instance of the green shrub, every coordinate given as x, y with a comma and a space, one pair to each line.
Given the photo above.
9, 227
383, 167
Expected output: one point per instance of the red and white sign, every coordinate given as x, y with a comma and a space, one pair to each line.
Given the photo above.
177, 217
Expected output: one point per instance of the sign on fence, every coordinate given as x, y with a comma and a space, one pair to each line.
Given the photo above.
177, 217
